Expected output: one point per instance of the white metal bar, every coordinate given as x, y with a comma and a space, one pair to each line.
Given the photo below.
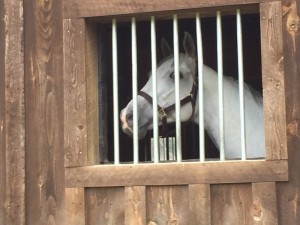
134, 92
115, 92
241, 81
220, 85
177, 91
200, 88
154, 90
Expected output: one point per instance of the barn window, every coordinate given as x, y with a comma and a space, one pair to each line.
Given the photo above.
130, 47
110, 56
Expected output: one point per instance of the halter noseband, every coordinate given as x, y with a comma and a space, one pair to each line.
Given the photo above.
163, 112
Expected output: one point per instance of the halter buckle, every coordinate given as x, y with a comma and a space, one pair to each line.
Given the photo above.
162, 114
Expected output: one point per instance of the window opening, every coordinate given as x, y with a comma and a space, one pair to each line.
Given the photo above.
117, 61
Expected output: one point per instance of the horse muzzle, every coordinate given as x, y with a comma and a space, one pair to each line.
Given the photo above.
124, 122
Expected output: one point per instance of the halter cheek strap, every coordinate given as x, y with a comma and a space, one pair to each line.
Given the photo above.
163, 112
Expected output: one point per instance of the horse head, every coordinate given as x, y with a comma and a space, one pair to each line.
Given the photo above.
165, 90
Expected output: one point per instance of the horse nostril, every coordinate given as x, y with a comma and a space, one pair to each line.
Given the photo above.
129, 117
126, 118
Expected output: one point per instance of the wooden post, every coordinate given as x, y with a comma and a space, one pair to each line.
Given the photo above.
273, 80
12, 123
44, 112
289, 192
75, 110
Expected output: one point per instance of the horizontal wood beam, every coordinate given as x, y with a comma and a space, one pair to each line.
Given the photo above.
92, 8
177, 173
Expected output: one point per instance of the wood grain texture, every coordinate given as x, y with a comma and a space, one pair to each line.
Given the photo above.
231, 204
44, 112
264, 203
75, 110
273, 80
288, 193
135, 205
167, 205
90, 8
74, 206
12, 120
176, 174
199, 204
91, 63
105, 206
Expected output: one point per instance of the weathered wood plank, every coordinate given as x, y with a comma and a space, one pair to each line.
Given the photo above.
167, 205
91, 62
264, 203
74, 206
103, 84
90, 8
75, 110
105, 205
12, 121
135, 205
273, 80
288, 193
231, 204
44, 112
176, 174
199, 204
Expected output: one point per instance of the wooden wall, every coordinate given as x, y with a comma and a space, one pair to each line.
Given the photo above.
31, 115
140, 202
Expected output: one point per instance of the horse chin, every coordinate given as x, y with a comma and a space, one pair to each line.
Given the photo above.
129, 131
142, 134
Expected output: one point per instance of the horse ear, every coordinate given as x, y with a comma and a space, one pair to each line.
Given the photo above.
189, 45
165, 48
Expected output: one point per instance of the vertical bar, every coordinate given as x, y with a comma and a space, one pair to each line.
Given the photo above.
177, 91
241, 81
115, 92
154, 91
200, 88
220, 84
134, 92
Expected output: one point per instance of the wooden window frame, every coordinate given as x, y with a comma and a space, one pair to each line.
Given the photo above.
81, 100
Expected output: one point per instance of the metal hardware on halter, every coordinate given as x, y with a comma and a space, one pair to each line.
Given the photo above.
162, 114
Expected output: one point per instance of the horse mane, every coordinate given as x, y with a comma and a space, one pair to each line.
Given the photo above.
257, 96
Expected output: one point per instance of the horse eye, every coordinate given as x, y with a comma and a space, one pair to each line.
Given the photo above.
172, 75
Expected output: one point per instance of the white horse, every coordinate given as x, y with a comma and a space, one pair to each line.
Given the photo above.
254, 129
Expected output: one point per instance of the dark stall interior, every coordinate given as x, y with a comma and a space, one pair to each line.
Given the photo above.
164, 29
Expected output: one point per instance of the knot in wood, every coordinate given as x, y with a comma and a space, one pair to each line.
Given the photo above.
293, 129
257, 211
294, 25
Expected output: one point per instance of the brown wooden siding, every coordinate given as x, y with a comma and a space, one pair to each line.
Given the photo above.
288, 193
44, 112
273, 80
12, 124
90, 8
